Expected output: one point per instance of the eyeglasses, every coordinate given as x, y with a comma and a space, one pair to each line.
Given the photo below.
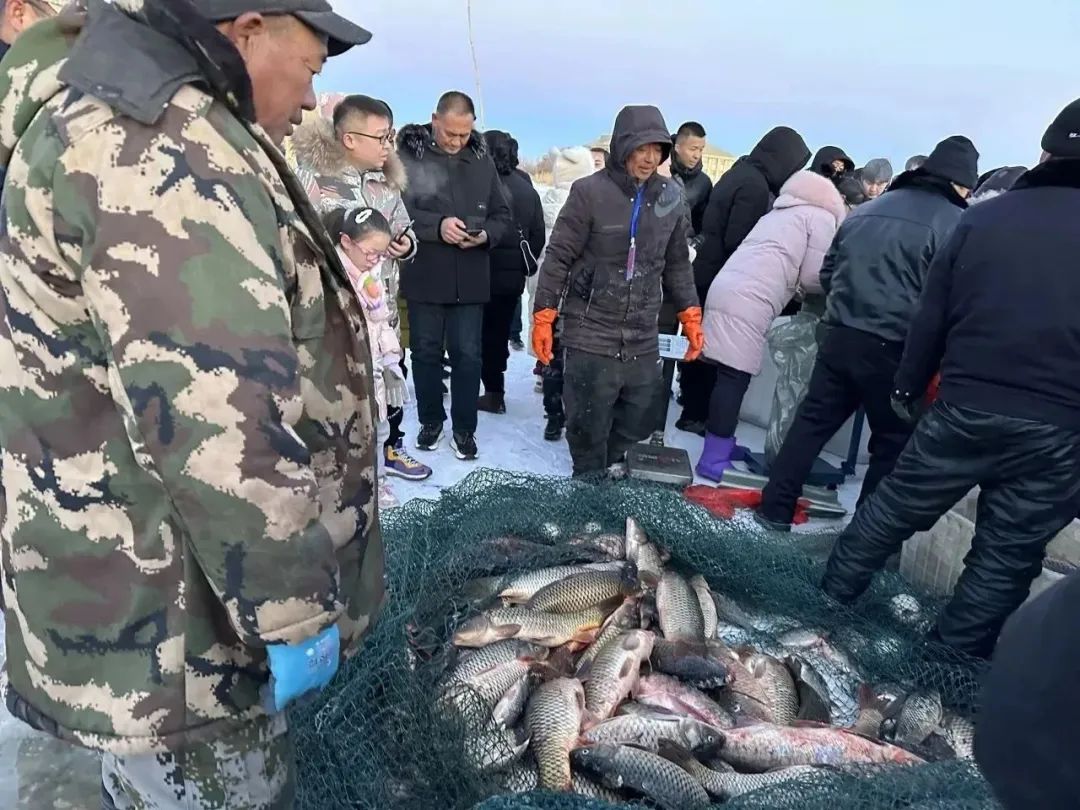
385, 140
378, 255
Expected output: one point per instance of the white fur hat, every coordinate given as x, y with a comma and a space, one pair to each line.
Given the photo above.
570, 164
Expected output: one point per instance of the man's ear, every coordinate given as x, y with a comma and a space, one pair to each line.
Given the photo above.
16, 13
244, 29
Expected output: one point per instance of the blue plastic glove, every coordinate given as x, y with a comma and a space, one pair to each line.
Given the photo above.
296, 669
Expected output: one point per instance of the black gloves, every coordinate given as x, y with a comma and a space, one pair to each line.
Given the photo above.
907, 406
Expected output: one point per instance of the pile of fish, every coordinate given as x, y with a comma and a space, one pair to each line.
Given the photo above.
628, 678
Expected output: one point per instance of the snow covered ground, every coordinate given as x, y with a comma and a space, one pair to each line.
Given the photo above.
38, 773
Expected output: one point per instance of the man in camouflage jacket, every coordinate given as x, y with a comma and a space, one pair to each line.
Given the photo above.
185, 390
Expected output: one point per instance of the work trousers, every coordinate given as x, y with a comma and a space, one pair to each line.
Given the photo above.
1029, 475
609, 404
250, 768
853, 369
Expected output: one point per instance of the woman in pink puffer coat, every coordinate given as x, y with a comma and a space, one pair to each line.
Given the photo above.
781, 258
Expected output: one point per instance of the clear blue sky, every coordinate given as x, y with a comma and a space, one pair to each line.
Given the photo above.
878, 78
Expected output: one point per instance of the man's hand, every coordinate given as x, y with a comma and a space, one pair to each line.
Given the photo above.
400, 247
906, 406
691, 326
452, 231
474, 241
543, 337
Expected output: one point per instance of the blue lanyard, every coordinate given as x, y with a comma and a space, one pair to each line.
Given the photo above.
631, 257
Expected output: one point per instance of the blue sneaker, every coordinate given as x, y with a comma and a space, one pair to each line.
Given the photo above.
397, 461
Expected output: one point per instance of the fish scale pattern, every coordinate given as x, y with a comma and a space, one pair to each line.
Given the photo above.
376, 739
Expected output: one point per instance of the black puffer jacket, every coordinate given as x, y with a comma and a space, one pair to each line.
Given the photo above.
603, 312
698, 188
743, 196
464, 185
875, 270
508, 268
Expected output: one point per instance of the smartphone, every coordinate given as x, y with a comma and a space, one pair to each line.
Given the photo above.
474, 226
400, 234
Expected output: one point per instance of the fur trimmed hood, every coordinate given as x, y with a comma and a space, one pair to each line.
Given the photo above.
415, 139
808, 188
318, 149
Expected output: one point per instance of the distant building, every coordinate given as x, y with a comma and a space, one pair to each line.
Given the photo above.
715, 162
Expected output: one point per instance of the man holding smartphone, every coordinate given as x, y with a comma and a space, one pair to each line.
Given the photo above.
459, 212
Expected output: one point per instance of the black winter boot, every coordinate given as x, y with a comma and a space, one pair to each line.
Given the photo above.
491, 402
554, 427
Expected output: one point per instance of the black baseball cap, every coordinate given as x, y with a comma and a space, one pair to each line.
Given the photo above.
318, 15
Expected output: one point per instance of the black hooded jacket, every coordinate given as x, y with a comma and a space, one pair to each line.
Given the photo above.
466, 186
875, 270
823, 161
743, 196
999, 314
603, 312
698, 188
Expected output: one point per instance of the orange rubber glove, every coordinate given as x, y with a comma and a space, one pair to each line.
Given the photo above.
691, 327
543, 339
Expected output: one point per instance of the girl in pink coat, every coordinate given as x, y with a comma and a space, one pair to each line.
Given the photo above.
780, 259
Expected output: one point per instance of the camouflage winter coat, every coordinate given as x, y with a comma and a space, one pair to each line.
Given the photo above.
332, 182
185, 419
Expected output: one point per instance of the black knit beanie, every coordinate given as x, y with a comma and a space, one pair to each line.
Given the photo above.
954, 159
1062, 139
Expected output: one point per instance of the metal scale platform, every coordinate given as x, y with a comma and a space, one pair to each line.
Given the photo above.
654, 461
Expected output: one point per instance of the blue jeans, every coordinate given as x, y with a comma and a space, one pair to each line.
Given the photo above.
458, 327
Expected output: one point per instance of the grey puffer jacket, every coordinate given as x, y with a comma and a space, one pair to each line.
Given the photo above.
584, 269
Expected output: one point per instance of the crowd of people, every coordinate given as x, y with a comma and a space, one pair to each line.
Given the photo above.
206, 355
641, 242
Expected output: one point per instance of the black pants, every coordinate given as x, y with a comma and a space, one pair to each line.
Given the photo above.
458, 328
697, 380
668, 324
495, 339
853, 369
609, 403
394, 417
726, 401
1029, 474
551, 377
696, 384
515, 322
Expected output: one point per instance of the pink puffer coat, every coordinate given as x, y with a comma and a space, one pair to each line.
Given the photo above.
782, 254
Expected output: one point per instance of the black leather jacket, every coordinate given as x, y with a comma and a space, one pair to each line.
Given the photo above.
875, 270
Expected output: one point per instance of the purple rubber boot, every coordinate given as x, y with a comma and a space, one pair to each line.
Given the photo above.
716, 457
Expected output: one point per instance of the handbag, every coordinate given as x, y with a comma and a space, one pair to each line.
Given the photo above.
527, 257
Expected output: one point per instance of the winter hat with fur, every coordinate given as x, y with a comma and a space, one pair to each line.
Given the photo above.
954, 159
1062, 139
570, 164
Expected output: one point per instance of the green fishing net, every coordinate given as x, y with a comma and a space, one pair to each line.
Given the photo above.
376, 739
